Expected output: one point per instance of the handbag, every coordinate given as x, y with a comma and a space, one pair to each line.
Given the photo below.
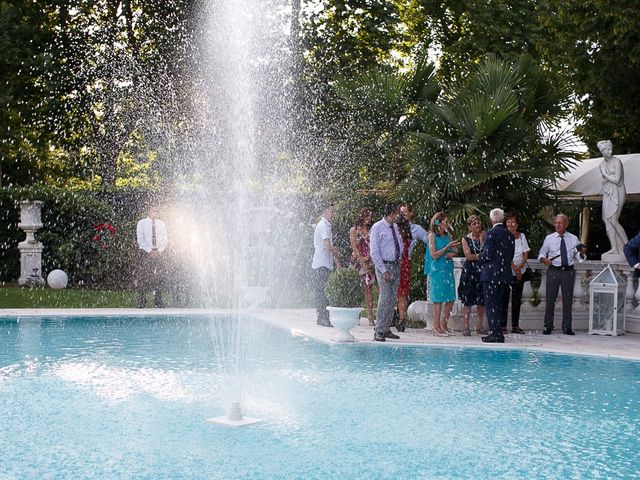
527, 275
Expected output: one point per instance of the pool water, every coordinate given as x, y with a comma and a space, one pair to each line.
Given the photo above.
98, 398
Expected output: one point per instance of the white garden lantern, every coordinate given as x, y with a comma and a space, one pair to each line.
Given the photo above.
606, 308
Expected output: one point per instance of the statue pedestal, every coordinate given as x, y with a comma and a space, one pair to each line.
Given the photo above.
30, 263
613, 258
30, 248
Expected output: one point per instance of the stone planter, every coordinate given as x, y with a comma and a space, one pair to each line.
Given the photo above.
344, 319
255, 297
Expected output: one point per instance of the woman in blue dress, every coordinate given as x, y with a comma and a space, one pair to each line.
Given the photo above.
442, 291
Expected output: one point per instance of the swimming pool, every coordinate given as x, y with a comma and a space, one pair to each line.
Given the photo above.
128, 398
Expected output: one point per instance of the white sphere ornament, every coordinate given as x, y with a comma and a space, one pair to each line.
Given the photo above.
57, 279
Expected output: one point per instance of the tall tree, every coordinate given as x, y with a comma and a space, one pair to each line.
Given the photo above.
595, 44
89, 84
120, 64
24, 132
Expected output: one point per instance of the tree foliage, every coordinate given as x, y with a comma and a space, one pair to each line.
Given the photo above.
483, 142
102, 76
595, 44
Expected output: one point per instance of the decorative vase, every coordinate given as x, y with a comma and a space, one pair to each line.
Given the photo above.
344, 319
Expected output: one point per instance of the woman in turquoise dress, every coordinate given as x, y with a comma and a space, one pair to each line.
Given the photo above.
439, 264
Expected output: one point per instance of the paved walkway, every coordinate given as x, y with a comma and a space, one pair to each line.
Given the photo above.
302, 322
625, 346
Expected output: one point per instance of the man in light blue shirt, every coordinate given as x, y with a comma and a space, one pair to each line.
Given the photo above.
386, 253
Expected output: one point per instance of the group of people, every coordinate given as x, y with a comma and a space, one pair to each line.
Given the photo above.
493, 274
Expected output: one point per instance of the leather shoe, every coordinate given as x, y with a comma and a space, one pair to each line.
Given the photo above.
493, 339
378, 337
547, 331
568, 331
390, 334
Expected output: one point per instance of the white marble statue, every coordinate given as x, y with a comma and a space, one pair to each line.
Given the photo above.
613, 197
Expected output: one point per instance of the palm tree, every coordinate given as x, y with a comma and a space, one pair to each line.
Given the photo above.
383, 108
487, 142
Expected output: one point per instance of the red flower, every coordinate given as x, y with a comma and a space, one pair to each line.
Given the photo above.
102, 233
105, 226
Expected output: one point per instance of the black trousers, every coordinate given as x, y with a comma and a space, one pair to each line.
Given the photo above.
557, 279
321, 277
150, 277
494, 294
515, 292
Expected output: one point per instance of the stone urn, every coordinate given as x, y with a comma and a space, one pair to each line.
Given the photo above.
344, 319
345, 295
255, 297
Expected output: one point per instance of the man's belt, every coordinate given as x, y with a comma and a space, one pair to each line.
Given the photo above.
553, 267
390, 262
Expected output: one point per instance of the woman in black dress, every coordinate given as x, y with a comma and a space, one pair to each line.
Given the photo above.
470, 287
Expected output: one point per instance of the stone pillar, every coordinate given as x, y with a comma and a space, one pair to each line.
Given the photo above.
527, 289
542, 291
578, 289
630, 292
30, 248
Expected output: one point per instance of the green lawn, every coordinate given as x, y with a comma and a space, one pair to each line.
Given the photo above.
19, 297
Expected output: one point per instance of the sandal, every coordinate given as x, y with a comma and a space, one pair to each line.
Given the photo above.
517, 330
482, 331
441, 333
372, 323
466, 332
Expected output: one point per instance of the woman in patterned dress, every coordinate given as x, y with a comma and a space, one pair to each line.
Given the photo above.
405, 272
361, 258
470, 288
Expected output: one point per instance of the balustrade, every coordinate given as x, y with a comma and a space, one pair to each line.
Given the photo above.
534, 296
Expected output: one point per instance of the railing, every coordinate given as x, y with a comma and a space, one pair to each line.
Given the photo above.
534, 301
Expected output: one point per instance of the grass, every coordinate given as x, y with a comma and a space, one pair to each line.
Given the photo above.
24, 297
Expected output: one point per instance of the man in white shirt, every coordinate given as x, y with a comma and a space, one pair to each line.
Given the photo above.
151, 234
386, 253
559, 252
324, 255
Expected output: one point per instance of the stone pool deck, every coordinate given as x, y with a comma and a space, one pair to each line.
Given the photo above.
302, 322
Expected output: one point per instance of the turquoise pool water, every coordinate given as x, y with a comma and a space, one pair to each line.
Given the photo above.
98, 398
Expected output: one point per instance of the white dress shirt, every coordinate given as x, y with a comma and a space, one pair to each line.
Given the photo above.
144, 234
321, 256
382, 246
551, 248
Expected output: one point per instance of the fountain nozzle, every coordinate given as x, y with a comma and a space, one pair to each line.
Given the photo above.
234, 417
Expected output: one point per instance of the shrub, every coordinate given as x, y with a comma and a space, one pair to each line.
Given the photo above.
72, 235
343, 288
